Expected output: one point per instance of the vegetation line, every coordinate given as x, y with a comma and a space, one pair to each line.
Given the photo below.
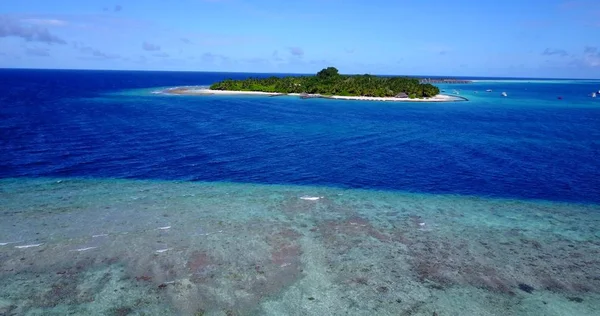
329, 82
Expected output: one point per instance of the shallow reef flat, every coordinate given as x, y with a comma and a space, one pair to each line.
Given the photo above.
124, 247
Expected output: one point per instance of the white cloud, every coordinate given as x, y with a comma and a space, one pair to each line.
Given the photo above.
45, 22
10, 27
150, 47
591, 56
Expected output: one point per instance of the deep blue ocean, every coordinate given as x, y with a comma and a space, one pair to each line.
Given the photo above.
109, 124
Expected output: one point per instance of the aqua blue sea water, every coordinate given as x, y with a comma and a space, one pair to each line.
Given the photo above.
92, 124
117, 200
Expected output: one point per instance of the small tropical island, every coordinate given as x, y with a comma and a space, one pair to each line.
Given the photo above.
328, 83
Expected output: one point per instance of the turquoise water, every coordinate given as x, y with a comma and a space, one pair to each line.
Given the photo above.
155, 248
118, 201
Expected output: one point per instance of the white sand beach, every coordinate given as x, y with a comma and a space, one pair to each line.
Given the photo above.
206, 91
437, 98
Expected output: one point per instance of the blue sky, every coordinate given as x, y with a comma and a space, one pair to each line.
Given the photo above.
524, 38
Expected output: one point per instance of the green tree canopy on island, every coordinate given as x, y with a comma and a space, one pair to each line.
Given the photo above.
328, 73
329, 82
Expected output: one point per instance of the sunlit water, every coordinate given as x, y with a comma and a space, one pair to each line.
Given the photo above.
118, 201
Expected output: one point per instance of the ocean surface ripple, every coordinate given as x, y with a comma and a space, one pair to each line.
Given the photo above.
102, 124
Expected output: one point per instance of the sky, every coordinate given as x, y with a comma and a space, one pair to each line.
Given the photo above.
509, 38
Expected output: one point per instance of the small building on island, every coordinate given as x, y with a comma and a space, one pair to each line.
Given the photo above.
401, 95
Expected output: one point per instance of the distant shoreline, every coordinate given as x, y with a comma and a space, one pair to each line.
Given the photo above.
196, 91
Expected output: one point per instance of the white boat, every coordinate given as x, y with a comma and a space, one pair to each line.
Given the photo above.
488, 90
594, 95
504, 94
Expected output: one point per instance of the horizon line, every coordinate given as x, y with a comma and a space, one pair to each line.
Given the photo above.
293, 73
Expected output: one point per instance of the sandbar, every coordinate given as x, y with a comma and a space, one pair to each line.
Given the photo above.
207, 91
